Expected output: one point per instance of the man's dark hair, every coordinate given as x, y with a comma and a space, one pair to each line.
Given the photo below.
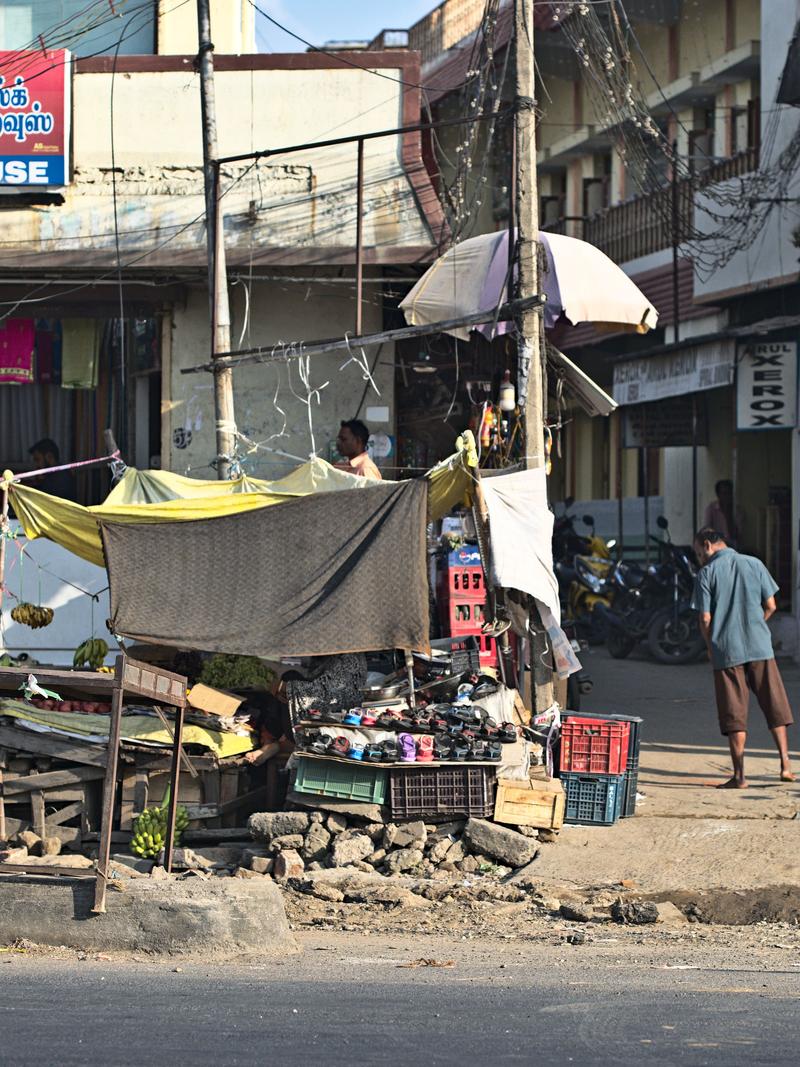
723, 483
708, 533
47, 444
357, 429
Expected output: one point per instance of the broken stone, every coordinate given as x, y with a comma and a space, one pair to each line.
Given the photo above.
266, 825
14, 855
159, 874
405, 835
577, 913
374, 830
135, 863
50, 846
354, 808
468, 865
403, 860
635, 912
294, 841
190, 860
577, 938
548, 837
440, 850
243, 872
499, 842
670, 914
377, 857
287, 864
527, 831
337, 824
28, 839
395, 896
347, 850
362, 865
262, 864
447, 830
316, 816
323, 891
316, 842
456, 852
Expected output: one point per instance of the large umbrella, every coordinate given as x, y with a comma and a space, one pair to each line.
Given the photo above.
580, 282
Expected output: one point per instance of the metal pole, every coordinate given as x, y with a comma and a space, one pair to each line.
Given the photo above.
646, 485
359, 234
694, 463
215, 239
620, 484
3, 538
530, 370
174, 778
109, 787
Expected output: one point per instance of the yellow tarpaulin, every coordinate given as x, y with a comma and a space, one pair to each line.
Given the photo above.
134, 728
159, 496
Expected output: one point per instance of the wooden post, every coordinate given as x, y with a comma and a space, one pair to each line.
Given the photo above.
109, 788
3, 533
174, 778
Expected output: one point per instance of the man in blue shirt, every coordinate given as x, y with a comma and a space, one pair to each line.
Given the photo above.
735, 595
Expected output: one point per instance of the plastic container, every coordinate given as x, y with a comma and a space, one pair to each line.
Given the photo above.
464, 650
442, 791
594, 746
334, 778
593, 799
632, 765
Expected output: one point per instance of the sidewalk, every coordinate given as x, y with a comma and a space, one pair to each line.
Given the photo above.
686, 834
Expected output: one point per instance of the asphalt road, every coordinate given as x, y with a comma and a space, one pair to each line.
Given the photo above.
330, 1008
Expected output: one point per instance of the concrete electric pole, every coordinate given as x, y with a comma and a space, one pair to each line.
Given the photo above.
215, 236
528, 323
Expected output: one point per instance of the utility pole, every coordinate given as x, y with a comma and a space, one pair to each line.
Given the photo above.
215, 241
528, 323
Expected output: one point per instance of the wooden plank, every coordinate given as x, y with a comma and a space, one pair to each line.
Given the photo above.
14, 737
229, 833
67, 835
29, 868
71, 811
127, 803
12, 678
109, 790
255, 795
210, 781
3, 831
52, 778
228, 791
37, 813
141, 790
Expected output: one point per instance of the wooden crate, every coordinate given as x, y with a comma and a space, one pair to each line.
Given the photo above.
539, 804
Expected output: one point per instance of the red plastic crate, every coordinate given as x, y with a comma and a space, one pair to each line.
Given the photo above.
463, 582
457, 614
594, 746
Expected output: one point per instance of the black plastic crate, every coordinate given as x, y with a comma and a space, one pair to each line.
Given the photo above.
465, 652
442, 791
593, 799
632, 766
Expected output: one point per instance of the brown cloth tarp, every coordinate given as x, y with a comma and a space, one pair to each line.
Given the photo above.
323, 574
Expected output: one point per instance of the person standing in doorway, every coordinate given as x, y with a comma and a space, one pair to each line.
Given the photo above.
735, 595
722, 515
351, 443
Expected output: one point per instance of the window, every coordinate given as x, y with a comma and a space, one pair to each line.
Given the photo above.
66, 24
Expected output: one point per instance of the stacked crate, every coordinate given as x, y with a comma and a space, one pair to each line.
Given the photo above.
461, 596
593, 767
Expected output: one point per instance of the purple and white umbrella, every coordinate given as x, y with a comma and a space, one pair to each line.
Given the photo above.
580, 282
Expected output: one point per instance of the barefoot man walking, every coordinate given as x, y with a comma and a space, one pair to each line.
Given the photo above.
735, 595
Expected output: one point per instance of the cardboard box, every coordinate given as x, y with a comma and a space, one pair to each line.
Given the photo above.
214, 701
538, 804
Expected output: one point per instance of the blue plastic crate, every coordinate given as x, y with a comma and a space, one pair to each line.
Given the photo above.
593, 799
632, 768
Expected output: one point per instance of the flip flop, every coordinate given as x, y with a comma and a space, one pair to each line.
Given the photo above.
438, 723
332, 715
352, 718
408, 750
373, 753
312, 715
339, 746
478, 751
320, 744
386, 722
356, 751
508, 733
425, 749
494, 750
442, 748
368, 719
422, 720
460, 751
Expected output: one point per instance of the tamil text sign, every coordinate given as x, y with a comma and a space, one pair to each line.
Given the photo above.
688, 370
766, 386
34, 118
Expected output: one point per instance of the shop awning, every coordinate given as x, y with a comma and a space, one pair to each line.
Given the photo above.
160, 496
689, 369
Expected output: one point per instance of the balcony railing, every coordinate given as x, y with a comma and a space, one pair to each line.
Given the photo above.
647, 223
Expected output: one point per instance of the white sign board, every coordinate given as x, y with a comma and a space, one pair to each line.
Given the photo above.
766, 386
689, 370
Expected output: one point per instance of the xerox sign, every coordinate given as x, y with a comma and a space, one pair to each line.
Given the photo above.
34, 118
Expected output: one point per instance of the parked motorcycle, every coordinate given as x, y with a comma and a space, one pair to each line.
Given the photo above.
653, 605
582, 567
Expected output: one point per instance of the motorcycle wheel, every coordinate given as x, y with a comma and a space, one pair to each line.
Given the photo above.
573, 693
671, 642
618, 643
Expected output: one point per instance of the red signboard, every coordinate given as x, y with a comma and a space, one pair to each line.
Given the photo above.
34, 118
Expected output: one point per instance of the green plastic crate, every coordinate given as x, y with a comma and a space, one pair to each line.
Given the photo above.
347, 781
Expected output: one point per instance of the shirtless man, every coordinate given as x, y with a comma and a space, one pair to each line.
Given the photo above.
735, 595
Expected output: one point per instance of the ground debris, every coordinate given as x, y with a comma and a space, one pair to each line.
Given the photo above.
428, 962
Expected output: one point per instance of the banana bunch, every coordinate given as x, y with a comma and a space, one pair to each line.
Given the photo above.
32, 615
92, 652
150, 830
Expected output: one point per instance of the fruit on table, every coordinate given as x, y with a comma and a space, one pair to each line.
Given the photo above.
33, 615
92, 652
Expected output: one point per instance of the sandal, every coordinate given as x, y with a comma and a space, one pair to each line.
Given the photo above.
422, 720
494, 750
320, 744
390, 751
356, 751
408, 750
438, 724
425, 749
386, 722
331, 714
312, 715
339, 746
373, 753
460, 751
368, 719
442, 748
508, 733
352, 718
478, 751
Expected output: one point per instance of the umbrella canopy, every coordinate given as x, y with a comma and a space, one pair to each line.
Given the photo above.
580, 282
